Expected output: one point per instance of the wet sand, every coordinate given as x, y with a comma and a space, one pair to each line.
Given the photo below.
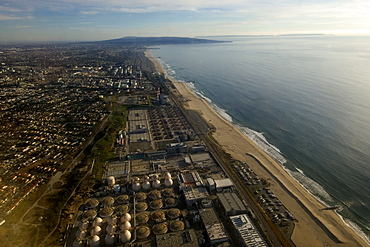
315, 227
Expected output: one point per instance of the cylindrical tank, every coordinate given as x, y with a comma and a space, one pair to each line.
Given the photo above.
80, 233
146, 185
156, 184
111, 181
94, 241
125, 236
78, 243
136, 186
126, 217
167, 175
98, 221
125, 226
112, 220
168, 182
83, 225
109, 240
96, 230
111, 229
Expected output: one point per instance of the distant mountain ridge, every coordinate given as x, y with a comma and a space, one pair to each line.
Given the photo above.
150, 41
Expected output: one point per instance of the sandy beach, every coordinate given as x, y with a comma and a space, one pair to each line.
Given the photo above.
315, 227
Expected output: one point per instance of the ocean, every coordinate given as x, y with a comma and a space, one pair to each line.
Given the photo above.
304, 99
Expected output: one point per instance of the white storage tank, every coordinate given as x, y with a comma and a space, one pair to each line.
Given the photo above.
109, 240
156, 184
96, 230
167, 175
111, 181
146, 185
125, 236
126, 217
98, 221
125, 226
168, 182
111, 229
136, 186
94, 241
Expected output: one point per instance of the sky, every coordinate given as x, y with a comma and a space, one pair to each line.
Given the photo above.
90, 20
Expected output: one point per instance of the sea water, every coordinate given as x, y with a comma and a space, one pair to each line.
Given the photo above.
303, 99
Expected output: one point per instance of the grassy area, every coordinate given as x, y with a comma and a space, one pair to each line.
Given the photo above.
103, 150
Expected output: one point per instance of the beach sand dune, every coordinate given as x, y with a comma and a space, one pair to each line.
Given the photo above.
315, 227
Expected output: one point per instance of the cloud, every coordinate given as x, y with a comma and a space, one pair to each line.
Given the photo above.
10, 17
91, 12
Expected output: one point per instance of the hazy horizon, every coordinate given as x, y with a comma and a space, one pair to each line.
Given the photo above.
78, 20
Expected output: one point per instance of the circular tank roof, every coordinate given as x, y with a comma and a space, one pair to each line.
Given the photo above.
140, 197
122, 198
170, 202
96, 230
157, 204
160, 228
168, 192
92, 203
83, 225
80, 233
107, 201
77, 243
122, 209
174, 213
142, 218
112, 219
155, 194
146, 185
106, 211
177, 225
141, 206
158, 215
142, 232
156, 184
89, 214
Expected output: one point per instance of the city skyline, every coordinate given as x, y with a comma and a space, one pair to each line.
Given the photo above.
66, 20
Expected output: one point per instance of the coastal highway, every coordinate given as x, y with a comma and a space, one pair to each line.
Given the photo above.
201, 127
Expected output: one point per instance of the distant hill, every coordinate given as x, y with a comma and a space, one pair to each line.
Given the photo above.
150, 41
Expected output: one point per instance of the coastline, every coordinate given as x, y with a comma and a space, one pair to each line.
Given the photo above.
315, 227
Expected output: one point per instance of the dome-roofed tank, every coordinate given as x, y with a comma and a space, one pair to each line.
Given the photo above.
122, 199
136, 186
146, 185
142, 218
89, 214
146, 178
111, 228
168, 192
94, 241
92, 203
170, 202
112, 220
156, 204
110, 240
156, 184
160, 228
154, 194
78, 243
167, 175
83, 224
111, 181
177, 225
107, 201
155, 176
122, 209
142, 232
80, 233
125, 236
158, 216
125, 217
140, 197
125, 226
98, 221
96, 230
168, 182
141, 206
174, 213
106, 211
135, 179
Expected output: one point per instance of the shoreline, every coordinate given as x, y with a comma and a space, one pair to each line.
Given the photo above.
315, 227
